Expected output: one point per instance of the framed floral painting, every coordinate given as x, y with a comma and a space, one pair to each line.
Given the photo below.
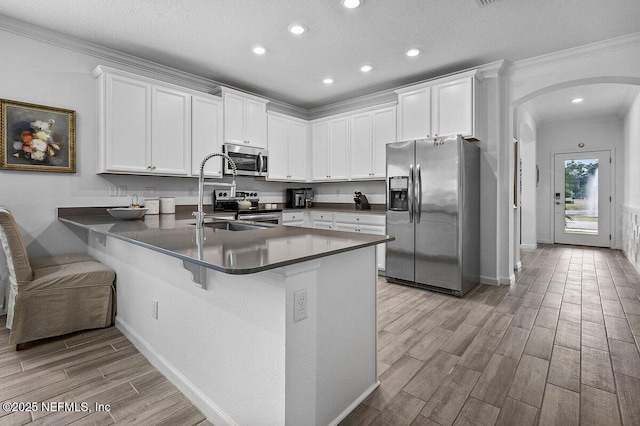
37, 138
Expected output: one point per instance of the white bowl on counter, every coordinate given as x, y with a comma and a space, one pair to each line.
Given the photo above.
127, 213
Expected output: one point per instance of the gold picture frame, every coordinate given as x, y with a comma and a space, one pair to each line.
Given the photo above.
37, 138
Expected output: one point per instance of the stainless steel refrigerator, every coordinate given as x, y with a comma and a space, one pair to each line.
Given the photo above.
433, 210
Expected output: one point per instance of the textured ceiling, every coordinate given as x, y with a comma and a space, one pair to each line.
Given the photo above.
213, 38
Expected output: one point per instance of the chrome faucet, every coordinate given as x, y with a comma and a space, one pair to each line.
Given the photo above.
232, 186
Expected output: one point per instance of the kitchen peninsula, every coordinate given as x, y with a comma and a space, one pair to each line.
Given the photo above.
267, 326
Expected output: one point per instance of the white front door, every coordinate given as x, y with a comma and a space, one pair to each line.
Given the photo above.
582, 198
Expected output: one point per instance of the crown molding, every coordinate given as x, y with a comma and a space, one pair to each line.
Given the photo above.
596, 48
366, 101
173, 75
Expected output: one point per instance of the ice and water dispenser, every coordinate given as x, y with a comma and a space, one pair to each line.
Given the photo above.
399, 193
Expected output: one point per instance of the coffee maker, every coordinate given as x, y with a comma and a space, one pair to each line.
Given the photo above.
299, 198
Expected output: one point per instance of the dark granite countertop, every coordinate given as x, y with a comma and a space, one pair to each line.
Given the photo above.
231, 252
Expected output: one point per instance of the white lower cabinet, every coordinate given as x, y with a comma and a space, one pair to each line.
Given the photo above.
322, 220
351, 222
367, 224
294, 219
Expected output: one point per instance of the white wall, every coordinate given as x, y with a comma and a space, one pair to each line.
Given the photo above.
632, 154
528, 203
603, 134
631, 202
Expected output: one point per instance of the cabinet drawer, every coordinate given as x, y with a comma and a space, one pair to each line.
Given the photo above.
292, 216
361, 218
322, 216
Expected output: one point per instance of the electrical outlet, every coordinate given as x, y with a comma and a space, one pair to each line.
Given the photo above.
122, 191
113, 191
154, 309
300, 304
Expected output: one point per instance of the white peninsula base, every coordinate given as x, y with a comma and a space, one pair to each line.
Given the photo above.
233, 347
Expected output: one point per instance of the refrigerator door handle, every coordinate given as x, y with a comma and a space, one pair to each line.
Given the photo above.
411, 193
418, 210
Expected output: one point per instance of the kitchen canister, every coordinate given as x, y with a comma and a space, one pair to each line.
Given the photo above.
167, 205
152, 205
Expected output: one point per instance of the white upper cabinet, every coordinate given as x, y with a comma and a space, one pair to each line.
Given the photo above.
320, 151
287, 145
206, 134
125, 125
330, 149
144, 125
361, 145
338, 149
149, 127
452, 111
298, 148
437, 108
369, 133
245, 119
414, 114
170, 131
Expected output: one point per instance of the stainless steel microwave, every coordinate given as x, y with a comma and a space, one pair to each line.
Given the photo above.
250, 161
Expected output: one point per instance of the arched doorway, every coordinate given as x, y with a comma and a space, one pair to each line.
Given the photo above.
534, 212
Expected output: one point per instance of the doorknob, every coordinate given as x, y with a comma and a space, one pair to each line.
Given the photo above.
558, 202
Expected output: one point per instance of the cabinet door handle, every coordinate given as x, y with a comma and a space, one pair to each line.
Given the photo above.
153, 168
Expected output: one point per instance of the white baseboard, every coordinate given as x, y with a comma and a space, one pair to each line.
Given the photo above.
213, 413
517, 266
507, 280
488, 280
545, 242
355, 403
529, 246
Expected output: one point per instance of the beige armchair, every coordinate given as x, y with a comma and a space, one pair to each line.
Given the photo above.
55, 295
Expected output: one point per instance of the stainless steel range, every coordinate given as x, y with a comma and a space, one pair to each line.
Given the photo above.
223, 202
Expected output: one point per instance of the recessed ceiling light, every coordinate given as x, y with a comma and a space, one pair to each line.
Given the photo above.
577, 100
327, 80
297, 29
412, 52
259, 50
351, 4
366, 68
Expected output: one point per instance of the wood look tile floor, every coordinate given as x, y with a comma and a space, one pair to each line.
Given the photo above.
560, 346
92, 367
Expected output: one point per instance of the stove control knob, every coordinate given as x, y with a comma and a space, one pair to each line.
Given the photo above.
224, 194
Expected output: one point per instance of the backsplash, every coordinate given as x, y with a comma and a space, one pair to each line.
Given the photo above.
342, 192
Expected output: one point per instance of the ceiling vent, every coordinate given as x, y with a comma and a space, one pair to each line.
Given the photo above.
483, 3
